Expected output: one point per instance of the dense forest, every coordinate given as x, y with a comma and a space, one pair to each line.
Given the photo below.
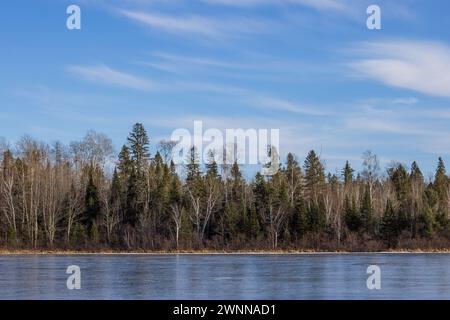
68, 197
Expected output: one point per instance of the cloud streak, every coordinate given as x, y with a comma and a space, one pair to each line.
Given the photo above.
283, 105
419, 66
197, 24
106, 75
322, 5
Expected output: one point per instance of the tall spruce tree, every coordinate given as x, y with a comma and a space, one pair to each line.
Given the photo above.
212, 170
314, 176
294, 180
441, 186
352, 215
138, 142
92, 203
138, 146
416, 174
315, 187
347, 174
366, 210
389, 227
193, 166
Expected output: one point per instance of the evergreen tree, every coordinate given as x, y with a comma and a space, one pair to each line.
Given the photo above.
138, 142
193, 166
314, 176
441, 186
416, 174
124, 165
158, 164
316, 217
389, 227
116, 186
441, 181
314, 187
300, 222
352, 217
212, 170
236, 175
92, 203
367, 211
175, 190
132, 200
253, 226
294, 180
138, 146
400, 179
347, 174
428, 222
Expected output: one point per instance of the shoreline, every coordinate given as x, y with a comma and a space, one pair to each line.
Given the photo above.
4, 252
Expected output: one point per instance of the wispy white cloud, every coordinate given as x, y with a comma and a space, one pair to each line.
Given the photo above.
106, 75
198, 61
198, 24
400, 101
335, 5
248, 66
382, 125
405, 101
101, 74
316, 4
73, 105
240, 3
191, 24
418, 66
283, 105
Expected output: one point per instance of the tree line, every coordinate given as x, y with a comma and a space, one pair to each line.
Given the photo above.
58, 196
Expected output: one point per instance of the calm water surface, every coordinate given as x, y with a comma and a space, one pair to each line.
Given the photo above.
321, 276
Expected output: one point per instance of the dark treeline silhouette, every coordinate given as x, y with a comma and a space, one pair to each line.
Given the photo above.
63, 197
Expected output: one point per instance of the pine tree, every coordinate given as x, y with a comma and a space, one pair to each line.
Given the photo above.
347, 174
441, 181
260, 192
300, 223
428, 222
231, 222
92, 203
193, 166
138, 142
236, 175
138, 146
389, 227
212, 170
158, 163
253, 226
352, 217
314, 187
175, 190
416, 174
400, 179
132, 202
314, 176
367, 211
116, 186
316, 217
124, 165
441, 186
294, 180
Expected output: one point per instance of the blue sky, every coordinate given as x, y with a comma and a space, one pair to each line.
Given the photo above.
309, 68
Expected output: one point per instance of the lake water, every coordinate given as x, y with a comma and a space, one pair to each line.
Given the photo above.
316, 276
